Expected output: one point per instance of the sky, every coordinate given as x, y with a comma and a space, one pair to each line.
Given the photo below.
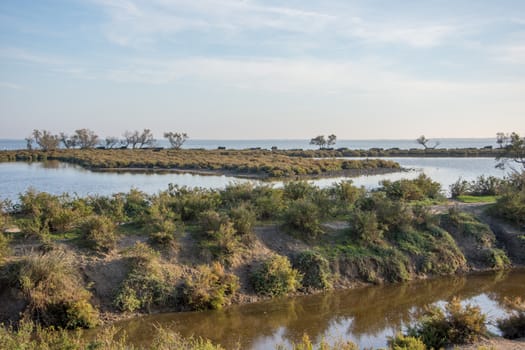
254, 69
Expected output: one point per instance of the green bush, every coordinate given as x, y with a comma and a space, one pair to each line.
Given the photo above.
314, 268
148, 283
163, 232
420, 188
404, 342
209, 288
190, 203
99, 233
302, 217
53, 291
458, 325
275, 276
511, 206
223, 242
243, 219
46, 213
295, 190
269, 204
112, 207
365, 226
513, 326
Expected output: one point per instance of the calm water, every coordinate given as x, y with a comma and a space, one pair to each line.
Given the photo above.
56, 178
367, 316
304, 144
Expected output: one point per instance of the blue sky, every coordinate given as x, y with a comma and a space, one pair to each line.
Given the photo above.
238, 69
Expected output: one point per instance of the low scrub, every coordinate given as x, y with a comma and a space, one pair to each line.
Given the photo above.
209, 288
275, 276
418, 189
314, 268
99, 233
457, 325
147, 285
513, 326
29, 336
303, 218
4, 247
53, 291
405, 342
482, 186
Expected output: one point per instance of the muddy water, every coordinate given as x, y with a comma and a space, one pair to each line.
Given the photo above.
367, 316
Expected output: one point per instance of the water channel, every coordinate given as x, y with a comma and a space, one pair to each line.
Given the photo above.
367, 316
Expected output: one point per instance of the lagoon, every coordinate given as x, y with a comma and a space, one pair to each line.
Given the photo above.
56, 177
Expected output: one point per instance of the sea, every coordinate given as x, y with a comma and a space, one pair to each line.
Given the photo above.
14, 144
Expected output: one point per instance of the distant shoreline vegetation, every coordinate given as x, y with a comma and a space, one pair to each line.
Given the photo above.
257, 164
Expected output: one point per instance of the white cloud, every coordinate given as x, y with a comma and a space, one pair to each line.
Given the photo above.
133, 23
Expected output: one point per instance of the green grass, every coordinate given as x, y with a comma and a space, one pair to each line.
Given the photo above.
477, 199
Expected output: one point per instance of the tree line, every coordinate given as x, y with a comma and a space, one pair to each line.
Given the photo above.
86, 139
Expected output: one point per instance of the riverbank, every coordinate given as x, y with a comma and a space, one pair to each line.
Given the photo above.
80, 261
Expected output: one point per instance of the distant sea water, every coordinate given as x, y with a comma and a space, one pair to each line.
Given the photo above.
7, 144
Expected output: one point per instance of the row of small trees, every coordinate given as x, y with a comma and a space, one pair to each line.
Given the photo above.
86, 138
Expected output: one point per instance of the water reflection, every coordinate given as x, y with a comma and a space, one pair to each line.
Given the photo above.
367, 315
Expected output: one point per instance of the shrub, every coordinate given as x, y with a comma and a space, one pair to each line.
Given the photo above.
236, 193
223, 242
511, 206
295, 190
48, 213
269, 204
147, 284
4, 246
243, 219
458, 325
112, 207
163, 232
314, 268
420, 188
53, 291
190, 203
404, 342
99, 233
365, 226
513, 326
136, 204
275, 276
303, 218
209, 288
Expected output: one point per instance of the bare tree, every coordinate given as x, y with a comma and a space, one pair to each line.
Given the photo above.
514, 151
111, 142
68, 142
46, 140
86, 138
131, 138
146, 138
29, 143
502, 139
423, 141
176, 139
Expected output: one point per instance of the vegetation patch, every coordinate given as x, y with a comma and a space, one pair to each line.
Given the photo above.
209, 288
52, 289
456, 325
275, 277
